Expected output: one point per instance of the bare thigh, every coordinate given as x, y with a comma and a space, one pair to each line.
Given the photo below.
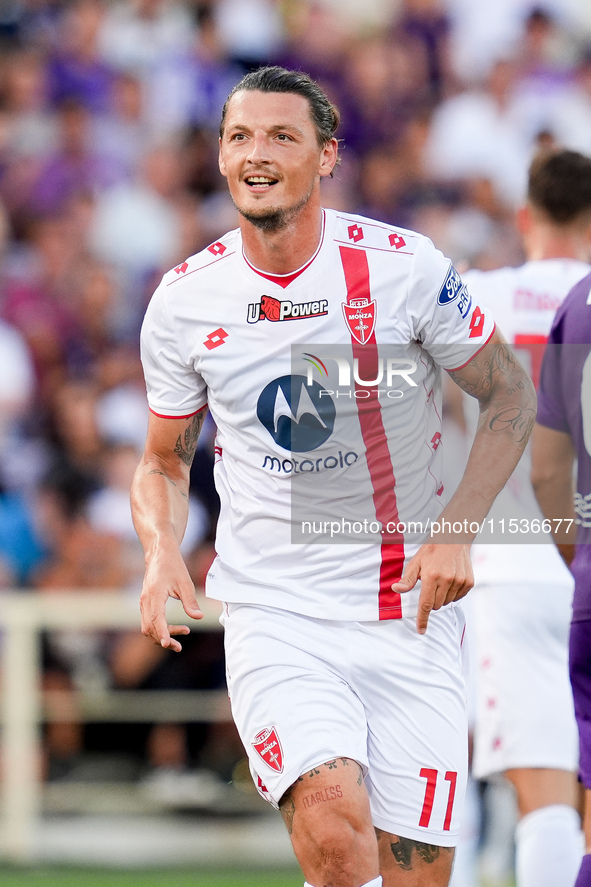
405, 862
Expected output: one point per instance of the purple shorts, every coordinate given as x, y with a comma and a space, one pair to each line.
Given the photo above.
580, 676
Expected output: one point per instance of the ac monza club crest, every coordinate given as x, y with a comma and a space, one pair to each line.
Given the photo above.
360, 317
267, 746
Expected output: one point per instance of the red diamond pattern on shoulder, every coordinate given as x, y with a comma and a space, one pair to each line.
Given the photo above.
355, 233
180, 269
218, 249
397, 241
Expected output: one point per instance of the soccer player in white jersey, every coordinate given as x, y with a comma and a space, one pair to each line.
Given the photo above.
343, 660
522, 599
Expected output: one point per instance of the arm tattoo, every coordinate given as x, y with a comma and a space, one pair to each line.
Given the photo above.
520, 421
501, 363
157, 471
187, 443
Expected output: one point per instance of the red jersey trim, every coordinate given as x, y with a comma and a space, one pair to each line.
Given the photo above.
475, 353
188, 416
283, 280
379, 460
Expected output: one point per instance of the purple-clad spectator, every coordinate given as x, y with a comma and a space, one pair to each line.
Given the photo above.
318, 43
427, 23
189, 88
77, 167
30, 123
385, 85
77, 70
38, 300
563, 434
123, 131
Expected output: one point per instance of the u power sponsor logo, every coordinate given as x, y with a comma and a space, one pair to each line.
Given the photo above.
453, 290
388, 371
276, 310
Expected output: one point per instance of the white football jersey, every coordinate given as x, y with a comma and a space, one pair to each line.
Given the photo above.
523, 301
324, 385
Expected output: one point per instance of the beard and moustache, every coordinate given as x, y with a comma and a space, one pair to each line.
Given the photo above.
273, 218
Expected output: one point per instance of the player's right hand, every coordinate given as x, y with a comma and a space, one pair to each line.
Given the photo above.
166, 577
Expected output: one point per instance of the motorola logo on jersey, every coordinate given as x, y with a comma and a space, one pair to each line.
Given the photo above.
295, 414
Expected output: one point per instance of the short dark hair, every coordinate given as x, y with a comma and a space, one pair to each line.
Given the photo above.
325, 115
560, 185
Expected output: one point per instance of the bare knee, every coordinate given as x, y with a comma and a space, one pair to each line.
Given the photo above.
327, 815
538, 787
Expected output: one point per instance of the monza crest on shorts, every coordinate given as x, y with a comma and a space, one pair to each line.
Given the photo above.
360, 317
267, 746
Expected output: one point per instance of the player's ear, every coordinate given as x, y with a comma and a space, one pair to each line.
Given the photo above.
523, 219
328, 157
221, 163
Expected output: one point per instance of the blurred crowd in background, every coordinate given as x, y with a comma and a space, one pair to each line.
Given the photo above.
109, 114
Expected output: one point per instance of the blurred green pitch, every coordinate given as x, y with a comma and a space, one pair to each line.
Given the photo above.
82, 877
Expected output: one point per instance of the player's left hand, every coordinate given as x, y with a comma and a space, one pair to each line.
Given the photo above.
445, 571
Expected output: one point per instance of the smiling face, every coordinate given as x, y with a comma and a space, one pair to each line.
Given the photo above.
270, 155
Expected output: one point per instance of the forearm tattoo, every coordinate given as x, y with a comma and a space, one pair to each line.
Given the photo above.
157, 471
187, 443
494, 380
520, 421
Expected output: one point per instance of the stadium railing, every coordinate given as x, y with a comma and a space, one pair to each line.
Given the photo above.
24, 706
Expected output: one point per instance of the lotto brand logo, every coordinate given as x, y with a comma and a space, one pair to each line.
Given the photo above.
215, 339
397, 241
355, 233
360, 317
180, 269
267, 746
218, 249
275, 310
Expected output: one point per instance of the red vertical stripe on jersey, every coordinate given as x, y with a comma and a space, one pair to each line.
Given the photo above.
379, 462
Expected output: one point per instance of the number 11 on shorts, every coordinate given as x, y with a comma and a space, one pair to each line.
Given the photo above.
431, 777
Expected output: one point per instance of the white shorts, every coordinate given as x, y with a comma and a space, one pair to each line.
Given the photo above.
305, 691
524, 709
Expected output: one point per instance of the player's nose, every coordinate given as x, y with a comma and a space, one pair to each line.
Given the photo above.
259, 149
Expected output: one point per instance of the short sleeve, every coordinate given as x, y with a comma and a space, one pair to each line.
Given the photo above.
447, 320
174, 388
551, 403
